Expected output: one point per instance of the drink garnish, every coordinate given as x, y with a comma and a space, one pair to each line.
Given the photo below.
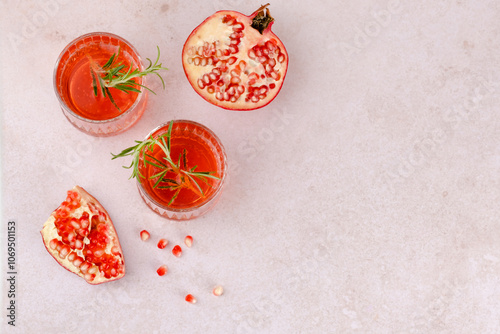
115, 74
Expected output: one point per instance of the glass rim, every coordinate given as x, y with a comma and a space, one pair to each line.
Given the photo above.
140, 96
216, 192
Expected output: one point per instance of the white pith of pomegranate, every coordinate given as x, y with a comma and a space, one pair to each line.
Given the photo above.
81, 237
234, 65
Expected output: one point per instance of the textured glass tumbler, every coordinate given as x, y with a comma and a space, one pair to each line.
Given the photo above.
73, 85
193, 145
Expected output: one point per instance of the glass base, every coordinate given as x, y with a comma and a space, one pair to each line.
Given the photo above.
178, 214
106, 129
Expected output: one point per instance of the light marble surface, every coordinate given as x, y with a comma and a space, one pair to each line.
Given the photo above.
364, 199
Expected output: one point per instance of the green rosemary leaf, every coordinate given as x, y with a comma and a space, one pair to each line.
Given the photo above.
94, 81
138, 84
184, 159
159, 179
162, 81
170, 181
205, 174
196, 183
111, 99
159, 175
169, 133
111, 59
103, 88
124, 153
175, 196
162, 165
147, 162
128, 167
167, 187
126, 88
166, 145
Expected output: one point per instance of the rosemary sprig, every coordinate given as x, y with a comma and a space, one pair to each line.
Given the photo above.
114, 75
184, 177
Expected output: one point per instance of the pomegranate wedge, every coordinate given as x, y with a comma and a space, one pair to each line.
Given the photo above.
81, 237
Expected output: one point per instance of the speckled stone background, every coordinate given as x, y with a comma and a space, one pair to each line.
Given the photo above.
364, 199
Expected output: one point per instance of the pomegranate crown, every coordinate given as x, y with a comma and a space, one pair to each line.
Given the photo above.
261, 19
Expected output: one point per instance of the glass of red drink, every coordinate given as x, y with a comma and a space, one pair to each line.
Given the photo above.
73, 84
194, 146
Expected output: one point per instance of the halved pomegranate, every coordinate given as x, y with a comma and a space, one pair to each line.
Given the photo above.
81, 237
235, 61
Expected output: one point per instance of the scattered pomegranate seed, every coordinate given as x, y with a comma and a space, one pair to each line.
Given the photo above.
144, 235
188, 241
190, 299
162, 243
162, 270
177, 250
218, 290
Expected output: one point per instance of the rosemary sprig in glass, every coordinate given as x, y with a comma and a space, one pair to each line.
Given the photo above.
115, 75
185, 177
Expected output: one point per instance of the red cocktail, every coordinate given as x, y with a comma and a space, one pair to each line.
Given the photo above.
75, 81
189, 182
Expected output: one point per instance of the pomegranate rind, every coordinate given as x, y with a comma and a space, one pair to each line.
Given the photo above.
209, 31
49, 232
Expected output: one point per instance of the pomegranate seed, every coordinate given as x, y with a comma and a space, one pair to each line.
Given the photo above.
162, 243
53, 243
99, 253
64, 251
207, 79
162, 270
144, 235
92, 270
84, 267
188, 241
78, 261
72, 256
89, 277
190, 299
75, 224
84, 223
177, 250
115, 250
218, 290
238, 27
